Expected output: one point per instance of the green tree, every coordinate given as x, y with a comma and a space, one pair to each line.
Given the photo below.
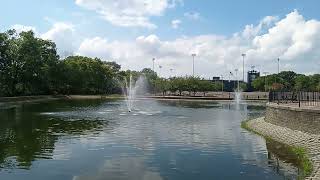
151, 77
162, 85
259, 84
206, 86
302, 83
26, 62
193, 84
315, 82
88, 76
287, 79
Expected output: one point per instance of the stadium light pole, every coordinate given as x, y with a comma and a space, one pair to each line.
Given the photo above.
171, 70
193, 55
278, 60
243, 56
222, 83
265, 81
160, 67
153, 59
278, 66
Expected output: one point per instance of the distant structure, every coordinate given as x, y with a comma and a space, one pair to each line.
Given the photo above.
229, 85
252, 75
215, 78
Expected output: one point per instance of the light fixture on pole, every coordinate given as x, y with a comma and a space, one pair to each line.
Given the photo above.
278, 60
171, 70
153, 59
222, 83
243, 56
160, 67
278, 65
193, 55
265, 81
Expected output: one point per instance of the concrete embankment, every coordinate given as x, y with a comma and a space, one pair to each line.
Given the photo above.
293, 138
303, 118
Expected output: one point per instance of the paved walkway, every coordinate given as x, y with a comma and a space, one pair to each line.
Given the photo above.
291, 137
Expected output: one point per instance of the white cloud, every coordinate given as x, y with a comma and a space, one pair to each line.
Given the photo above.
63, 34
175, 23
290, 39
122, 52
129, 13
20, 28
192, 15
251, 30
295, 40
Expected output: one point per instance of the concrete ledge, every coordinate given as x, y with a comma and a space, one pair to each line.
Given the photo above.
306, 119
294, 107
310, 142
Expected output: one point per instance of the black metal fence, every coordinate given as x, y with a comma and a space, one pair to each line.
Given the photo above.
300, 98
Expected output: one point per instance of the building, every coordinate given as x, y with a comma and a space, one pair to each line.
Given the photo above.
215, 78
252, 75
228, 85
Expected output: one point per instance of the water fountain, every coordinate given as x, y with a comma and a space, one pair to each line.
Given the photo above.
131, 89
237, 96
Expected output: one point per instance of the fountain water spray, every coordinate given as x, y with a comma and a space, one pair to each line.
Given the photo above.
237, 96
132, 89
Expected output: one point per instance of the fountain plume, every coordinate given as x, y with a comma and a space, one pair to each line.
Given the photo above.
131, 89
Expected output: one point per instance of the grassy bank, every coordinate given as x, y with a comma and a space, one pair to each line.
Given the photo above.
302, 157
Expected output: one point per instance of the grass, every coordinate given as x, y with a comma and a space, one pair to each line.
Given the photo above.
300, 153
304, 160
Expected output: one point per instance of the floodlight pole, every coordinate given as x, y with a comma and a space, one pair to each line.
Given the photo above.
193, 55
243, 56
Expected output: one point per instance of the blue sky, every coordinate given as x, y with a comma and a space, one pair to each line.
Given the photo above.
218, 17
98, 21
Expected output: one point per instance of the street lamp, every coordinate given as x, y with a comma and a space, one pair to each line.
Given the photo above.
171, 70
243, 56
160, 67
278, 65
222, 83
278, 60
153, 59
265, 81
193, 55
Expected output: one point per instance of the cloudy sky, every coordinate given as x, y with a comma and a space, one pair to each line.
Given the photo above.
132, 32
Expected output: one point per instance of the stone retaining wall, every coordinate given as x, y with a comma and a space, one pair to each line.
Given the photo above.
306, 119
310, 142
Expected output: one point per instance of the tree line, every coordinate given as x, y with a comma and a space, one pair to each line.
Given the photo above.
288, 81
30, 65
189, 83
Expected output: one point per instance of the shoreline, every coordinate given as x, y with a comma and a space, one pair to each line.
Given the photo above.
216, 98
305, 145
41, 98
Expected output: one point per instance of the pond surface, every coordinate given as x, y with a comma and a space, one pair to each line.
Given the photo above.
159, 140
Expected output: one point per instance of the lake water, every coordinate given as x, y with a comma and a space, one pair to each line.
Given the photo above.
159, 140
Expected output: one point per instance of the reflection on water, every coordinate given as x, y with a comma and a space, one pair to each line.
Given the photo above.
92, 139
122, 168
26, 136
283, 160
